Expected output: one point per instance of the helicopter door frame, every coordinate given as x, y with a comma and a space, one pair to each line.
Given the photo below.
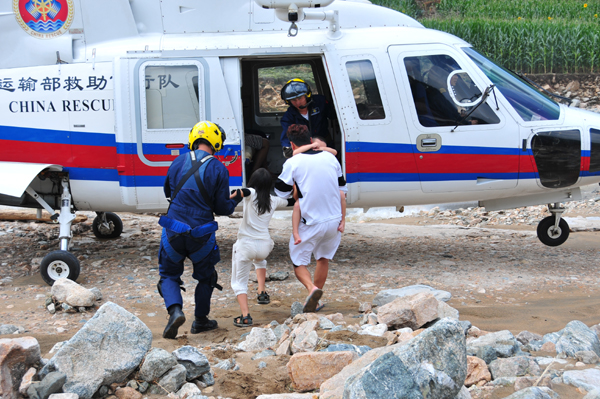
376, 154
144, 155
152, 125
476, 157
148, 143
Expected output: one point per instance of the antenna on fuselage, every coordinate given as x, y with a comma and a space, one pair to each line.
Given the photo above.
293, 11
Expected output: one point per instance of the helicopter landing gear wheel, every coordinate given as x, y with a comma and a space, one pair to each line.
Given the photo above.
550, 234
59, 264
107, 225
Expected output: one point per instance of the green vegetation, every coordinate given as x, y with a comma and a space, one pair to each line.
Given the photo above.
567, 10
532, 36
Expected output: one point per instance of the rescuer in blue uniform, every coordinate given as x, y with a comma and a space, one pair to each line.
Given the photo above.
198, 186
306, 109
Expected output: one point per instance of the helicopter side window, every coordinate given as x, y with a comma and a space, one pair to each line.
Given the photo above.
366, 92
433, 87
171, 96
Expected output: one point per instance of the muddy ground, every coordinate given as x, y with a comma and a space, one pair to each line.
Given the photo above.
500, 276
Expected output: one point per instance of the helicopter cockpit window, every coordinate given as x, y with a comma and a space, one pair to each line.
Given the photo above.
366, 92
438, 85
272, 79
171, 96
530, 104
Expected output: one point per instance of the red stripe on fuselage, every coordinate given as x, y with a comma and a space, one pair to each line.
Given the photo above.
468, 163
585, 164
137, 167
377, 162
380, 162
88, 156
528, 164
68, 155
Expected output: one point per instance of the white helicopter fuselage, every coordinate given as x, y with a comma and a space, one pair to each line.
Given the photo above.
133, 77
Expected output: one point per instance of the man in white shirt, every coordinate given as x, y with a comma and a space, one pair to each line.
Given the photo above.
319, 180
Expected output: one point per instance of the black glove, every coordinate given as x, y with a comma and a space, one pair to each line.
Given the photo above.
238, 195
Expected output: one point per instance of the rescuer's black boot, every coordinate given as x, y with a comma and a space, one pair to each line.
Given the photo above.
176, 320
202, 324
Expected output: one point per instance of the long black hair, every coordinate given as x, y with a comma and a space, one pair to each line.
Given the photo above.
261, 182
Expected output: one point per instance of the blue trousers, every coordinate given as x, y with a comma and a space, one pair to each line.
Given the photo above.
171, 270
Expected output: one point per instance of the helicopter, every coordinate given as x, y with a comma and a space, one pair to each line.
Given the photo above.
97, 99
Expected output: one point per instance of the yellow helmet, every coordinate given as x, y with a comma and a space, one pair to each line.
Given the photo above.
295, 88
210, 132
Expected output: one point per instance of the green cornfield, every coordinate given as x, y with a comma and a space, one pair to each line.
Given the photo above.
531, 36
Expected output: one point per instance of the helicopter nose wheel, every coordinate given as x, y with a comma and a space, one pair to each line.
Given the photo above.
59, 264
107, 225
553, 230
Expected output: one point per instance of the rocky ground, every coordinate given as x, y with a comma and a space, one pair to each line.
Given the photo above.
582, 89
499, 274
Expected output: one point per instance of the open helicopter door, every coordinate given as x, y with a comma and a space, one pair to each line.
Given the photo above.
462, 142
158, 101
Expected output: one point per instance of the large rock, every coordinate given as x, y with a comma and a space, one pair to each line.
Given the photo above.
27, 380
464, 393
518, 366
6, 329
386, 377
69, 292
534, 393
307, 344
575, 337
188, 390
587, 357
258, 339
64, 396
288, 396
388, 296
51, 384
434, 362
445, 310
359, 350
170, 382
128, 393
595, 394
156, 363
374, 330
502, 342
588, 379
334, 387
410, 311
309, 370
194, 361
304, 337
477, 371
106, 350
16, 357
525, 337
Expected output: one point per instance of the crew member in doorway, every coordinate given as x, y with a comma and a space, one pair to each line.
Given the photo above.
198, 187
312, 111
